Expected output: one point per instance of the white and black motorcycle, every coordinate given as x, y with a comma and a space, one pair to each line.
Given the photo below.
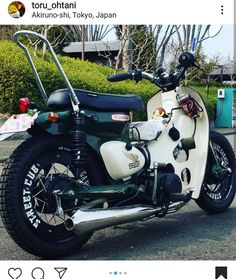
87, 166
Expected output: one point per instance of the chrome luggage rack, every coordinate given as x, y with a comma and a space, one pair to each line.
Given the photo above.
74, 99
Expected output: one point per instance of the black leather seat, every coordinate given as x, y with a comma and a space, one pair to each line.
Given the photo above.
100, 101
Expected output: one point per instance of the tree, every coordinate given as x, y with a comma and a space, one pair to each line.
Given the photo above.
91, 32
192, 36
137, 49
124, 59
206, 68
230, 69
85, 33
167, 41
144, 52
55, 34
7, 31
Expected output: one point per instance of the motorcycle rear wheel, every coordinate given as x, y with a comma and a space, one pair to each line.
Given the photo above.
26, 207
218, 191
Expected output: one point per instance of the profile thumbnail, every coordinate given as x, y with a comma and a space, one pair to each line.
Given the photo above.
16, 9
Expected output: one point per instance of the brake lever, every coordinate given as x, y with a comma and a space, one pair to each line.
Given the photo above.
137, 75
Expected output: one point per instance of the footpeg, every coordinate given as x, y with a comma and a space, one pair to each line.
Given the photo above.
59, 211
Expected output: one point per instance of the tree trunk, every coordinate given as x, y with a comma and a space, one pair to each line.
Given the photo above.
127, 50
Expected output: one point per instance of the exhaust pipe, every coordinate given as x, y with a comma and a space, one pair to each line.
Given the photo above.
84, 221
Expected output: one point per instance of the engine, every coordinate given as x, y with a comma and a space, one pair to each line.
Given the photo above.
164, 186
168, 184
123, 161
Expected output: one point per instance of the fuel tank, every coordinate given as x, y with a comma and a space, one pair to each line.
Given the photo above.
120, 162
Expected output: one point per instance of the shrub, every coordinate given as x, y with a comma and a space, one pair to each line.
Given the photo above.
16, 79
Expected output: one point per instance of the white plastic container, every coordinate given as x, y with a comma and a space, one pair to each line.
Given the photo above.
146, 130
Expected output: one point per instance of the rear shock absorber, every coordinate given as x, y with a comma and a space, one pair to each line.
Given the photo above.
79, 144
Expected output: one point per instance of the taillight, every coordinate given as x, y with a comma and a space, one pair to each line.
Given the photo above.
24, 104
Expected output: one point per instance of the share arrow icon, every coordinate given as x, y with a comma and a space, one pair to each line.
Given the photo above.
61, 271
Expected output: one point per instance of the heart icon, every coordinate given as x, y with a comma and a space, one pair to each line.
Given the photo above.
14, 273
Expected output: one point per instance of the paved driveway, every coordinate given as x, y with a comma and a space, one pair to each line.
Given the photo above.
189, 234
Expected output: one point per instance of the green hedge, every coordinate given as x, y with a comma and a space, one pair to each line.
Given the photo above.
16, 78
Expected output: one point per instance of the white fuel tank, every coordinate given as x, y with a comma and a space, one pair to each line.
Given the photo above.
120, 162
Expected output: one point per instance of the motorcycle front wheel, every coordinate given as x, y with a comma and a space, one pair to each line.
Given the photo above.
219, 185
27, 203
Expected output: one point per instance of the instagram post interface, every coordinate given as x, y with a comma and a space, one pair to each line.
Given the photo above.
117, 139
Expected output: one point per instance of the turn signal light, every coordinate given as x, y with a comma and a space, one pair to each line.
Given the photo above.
24, 104
53, 117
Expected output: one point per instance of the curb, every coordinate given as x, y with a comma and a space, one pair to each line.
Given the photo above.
18, 136
229, 134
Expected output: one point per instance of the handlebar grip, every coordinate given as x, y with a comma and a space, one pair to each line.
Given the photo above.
120, 77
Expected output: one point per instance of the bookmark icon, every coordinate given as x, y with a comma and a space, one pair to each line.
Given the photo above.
221, 272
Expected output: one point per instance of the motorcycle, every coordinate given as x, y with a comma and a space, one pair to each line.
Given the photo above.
87, 166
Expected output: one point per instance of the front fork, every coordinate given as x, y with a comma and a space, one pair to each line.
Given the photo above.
217, 171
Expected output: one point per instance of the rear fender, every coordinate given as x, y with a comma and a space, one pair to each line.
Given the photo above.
38, 123
64, 127
61, 127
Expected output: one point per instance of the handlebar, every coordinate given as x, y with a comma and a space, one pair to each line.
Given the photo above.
120, 77
166, 82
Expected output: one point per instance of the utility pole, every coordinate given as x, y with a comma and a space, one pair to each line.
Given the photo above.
83, 42
221, 73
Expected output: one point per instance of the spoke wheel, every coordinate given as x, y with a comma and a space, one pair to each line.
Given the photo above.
52, 168
28, 206
44, 203
219, 186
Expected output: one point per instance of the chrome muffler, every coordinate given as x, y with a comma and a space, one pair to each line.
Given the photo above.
89, 220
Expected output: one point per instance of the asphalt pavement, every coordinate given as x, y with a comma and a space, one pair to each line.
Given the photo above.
189, 234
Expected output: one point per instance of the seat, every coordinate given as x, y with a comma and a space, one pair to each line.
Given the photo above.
100, 101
